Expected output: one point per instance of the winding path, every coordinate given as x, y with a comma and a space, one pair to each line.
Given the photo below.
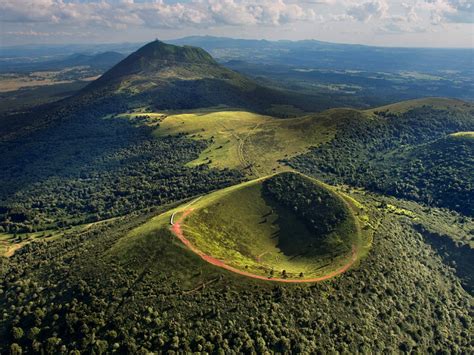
241, 147
178, 232
188, 205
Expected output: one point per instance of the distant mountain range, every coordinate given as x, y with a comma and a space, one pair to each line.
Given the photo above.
325, 55
311, 53
103, 61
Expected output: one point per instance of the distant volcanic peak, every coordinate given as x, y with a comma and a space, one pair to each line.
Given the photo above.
158, 50
157, 56
166, 76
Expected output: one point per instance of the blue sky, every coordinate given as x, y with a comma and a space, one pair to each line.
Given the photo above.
426, 23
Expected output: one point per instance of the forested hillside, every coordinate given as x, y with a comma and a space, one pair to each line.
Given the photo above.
88, 169
159, 210
405, 154
154, 294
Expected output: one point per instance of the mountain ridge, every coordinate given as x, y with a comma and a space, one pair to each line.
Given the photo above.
164, 76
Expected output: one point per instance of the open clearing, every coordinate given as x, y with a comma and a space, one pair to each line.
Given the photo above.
251, 142
15, 81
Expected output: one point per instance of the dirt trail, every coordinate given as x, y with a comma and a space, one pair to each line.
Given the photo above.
188, 205
241, 147
178, 232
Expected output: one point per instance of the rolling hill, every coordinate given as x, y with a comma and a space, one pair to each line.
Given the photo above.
403, 150
164, 76
266, 229
139, 219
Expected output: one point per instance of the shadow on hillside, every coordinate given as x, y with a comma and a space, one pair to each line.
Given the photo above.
295, 238
460, 257
86, 168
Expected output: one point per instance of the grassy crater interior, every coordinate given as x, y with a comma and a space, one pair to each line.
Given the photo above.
286, 225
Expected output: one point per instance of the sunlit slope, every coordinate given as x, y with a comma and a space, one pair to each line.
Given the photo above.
250, 228
463, 135
439, 103
254, 142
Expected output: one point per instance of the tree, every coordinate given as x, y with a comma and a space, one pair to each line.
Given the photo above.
51, 344
15, 349
17, 333
33, 333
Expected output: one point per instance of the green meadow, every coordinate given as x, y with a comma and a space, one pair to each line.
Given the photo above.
249, 141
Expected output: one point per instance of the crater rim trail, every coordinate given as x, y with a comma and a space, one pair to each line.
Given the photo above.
178, 232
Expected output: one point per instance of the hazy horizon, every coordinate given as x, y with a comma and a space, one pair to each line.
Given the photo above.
394, 23
173, 39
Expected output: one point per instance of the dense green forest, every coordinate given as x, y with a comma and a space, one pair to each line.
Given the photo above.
401, 154
80, 293
83, 293
87, 169
320, 209
88, 172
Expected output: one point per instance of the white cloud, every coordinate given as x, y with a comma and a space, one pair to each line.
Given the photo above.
457, 11
400, 27
156, 14
211, 13
365, 11
411, 14
322, 19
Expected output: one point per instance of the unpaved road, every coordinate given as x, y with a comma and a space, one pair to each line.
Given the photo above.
178, 232
241, 147
185, 207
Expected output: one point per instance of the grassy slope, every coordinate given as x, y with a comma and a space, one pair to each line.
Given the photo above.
233, 225
434, 102
463, 135
250, 141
